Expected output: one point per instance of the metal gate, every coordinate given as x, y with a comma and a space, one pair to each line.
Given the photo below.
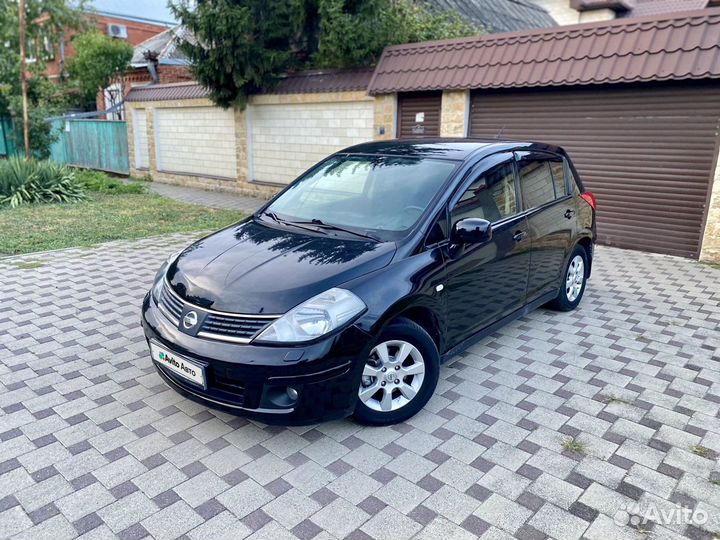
647, 152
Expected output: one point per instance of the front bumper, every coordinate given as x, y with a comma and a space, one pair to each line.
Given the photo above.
251, 380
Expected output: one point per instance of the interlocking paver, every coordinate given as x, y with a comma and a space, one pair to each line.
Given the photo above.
95, 448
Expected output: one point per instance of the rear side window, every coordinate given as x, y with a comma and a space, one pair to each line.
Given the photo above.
536, 182
557, 166
491, 196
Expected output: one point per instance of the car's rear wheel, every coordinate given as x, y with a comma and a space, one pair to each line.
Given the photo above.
572, 287
399, 376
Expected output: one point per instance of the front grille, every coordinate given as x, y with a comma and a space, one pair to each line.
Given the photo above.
170, 303
219, 326
231, 326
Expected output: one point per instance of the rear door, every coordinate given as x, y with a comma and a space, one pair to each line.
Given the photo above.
551, 218
487, 281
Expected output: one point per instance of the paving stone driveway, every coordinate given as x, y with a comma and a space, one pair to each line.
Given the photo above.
94, 445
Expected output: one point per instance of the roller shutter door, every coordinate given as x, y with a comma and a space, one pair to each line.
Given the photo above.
419, 114
647, 152
288, 139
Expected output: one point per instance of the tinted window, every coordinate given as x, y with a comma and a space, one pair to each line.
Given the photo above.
438, 232
375, 193
491, 196
558, 173
536, 182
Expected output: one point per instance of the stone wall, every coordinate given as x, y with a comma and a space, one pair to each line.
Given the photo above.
339, 124
384, 117
238, 184
711, 240
453, 113
292, 132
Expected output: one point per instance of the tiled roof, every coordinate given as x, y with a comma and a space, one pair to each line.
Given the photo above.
499, 15
336, 80
624, 50
166, 92
165, 46
296, 83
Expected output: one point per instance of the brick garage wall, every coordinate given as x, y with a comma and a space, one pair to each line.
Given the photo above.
711, 240
292, 132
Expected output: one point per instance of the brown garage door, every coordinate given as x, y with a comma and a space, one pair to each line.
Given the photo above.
419, 114
645, 151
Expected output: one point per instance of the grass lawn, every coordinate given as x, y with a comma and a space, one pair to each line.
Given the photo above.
101, 218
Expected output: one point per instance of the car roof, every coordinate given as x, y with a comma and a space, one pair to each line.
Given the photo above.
445, 148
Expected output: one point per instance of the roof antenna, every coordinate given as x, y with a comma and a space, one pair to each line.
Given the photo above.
497, 137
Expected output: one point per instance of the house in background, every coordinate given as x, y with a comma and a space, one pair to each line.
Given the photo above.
129, 23
581, 11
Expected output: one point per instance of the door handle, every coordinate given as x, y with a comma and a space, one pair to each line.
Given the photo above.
519, 236
569, 213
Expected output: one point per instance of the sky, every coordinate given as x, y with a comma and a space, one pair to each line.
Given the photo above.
147, 9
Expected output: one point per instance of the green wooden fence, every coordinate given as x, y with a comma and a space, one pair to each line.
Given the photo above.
93, 144
7, 147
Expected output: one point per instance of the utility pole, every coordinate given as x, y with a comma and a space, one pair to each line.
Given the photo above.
23, 78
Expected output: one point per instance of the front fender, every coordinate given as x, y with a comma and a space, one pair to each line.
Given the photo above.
402, 285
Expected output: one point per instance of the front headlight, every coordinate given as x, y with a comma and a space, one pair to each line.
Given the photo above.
160, 276
314, 318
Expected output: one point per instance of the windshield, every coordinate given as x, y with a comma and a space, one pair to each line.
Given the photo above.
377, 194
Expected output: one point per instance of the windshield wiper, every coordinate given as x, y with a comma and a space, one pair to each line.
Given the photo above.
330, 226
298, 224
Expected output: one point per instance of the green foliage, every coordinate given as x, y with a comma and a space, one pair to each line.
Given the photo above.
46, 22
31, 181
239, 47
98, 61
100, 182
355, 33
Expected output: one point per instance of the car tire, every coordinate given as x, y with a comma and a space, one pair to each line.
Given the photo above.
572, 286
404, 362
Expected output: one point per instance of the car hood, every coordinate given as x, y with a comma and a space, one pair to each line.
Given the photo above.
254, 268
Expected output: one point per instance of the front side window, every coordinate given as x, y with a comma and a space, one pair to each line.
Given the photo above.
491, 196
370, 193
536, 182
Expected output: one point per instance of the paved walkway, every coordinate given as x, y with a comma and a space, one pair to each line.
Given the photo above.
92, 443
213, 199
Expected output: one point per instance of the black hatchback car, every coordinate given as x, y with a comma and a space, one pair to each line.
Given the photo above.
344, 293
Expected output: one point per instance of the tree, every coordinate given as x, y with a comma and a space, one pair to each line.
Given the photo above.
239, 47
98, 62
46, 22
355, 33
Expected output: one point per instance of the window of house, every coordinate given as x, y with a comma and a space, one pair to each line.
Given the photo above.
536, 182
491, 196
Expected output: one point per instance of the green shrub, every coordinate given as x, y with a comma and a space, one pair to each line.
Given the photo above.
102, 183
33, 181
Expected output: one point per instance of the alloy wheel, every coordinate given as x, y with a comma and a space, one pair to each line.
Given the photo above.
575, 278
392, 377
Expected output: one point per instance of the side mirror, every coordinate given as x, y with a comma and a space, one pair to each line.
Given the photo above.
471, 231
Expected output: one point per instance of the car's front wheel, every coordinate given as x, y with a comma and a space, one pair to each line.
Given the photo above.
399, 376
